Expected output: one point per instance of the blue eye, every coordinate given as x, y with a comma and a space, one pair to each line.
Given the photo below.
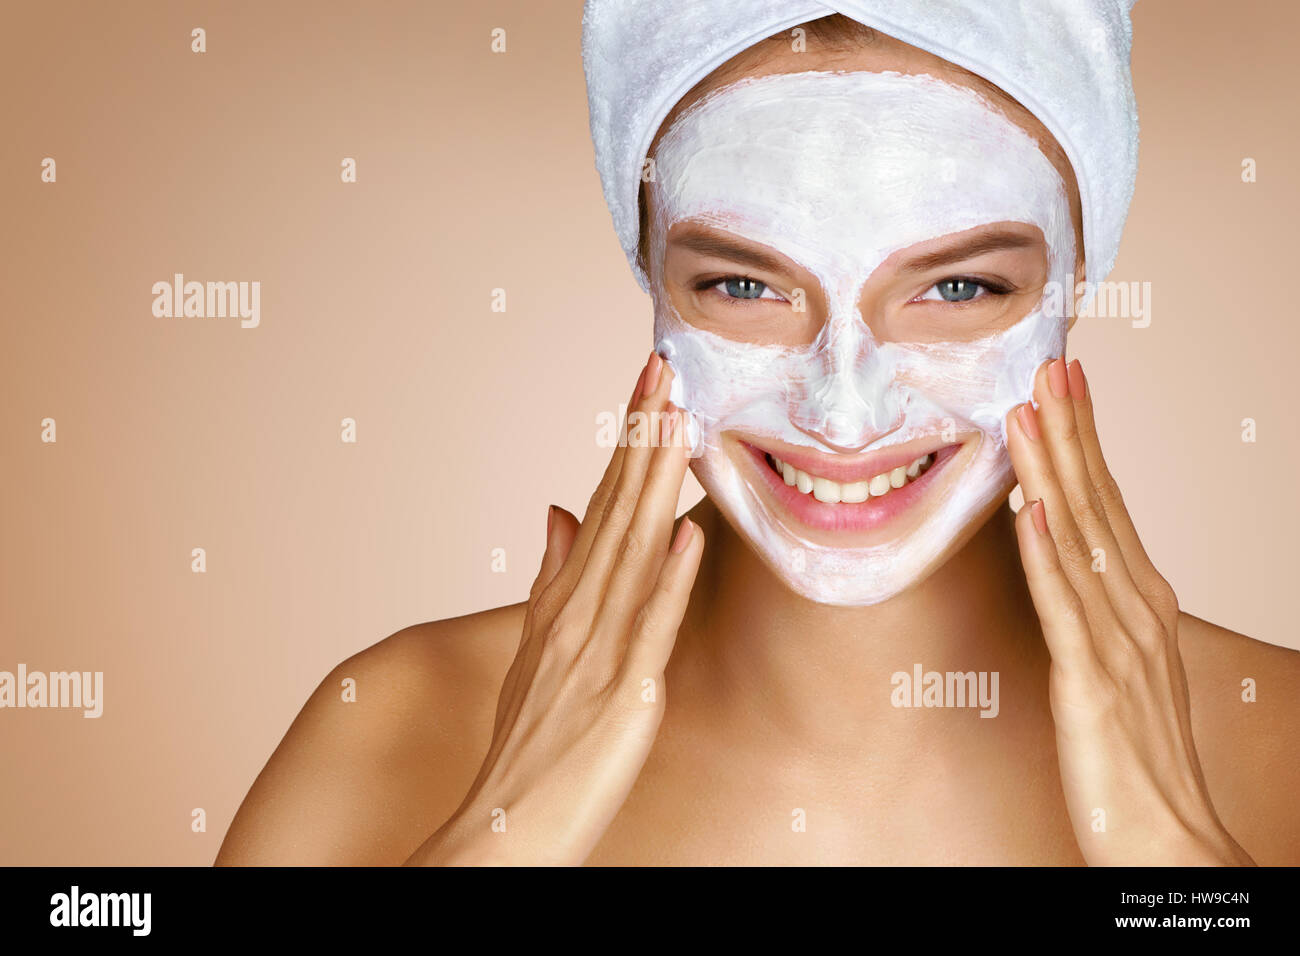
961, 289
739, 287
958, 290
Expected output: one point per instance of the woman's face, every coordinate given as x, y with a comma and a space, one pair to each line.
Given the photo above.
851, 278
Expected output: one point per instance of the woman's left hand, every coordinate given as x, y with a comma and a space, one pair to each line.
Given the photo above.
1133, 784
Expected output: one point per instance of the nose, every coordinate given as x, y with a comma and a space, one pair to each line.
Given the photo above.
845, 399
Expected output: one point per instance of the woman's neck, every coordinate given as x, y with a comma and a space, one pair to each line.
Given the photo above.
823, 674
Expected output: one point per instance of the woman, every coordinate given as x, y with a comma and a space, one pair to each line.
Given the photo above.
855, 248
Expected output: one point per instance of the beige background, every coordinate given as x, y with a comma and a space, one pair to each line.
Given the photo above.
475, 172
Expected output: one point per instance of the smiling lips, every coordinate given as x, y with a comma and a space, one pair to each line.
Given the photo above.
846, 499
833, 492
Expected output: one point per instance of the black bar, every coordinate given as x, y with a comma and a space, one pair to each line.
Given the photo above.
441, 906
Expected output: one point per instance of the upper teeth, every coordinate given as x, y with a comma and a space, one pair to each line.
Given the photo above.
833, 492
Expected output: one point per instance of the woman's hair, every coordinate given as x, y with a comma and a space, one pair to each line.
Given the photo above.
836, 31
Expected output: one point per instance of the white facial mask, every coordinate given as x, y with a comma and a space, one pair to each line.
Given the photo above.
837, 171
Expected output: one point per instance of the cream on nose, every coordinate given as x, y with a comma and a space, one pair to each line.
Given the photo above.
848, 400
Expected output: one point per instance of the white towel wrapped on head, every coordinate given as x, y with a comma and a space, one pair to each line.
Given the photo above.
1066, 61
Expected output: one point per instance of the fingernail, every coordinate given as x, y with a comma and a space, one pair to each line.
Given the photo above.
685, 532
1078, 384
550, 521
653, 370
1028, 419
1056, 378
1037, 512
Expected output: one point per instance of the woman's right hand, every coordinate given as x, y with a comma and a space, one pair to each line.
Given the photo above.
582, 702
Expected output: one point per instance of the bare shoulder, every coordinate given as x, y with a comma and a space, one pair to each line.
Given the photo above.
1245, 697
383, 751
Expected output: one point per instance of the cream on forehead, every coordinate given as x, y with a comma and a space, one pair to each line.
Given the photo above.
837, 171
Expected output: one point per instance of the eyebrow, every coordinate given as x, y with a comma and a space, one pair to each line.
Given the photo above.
708, 244
975, 246
722, 247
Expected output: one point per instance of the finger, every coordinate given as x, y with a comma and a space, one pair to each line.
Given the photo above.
645, 543
1060, 611
1148, 580
561, 530
568, 575
622, 503
1038, 481
1060, 435
655, 629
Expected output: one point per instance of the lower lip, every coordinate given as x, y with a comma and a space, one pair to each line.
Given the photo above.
867, 515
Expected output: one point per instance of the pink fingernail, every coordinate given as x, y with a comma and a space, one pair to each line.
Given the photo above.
1057, 380
685, 532
1078, 384
653, 370
1039, 514
550, 521
1028, 419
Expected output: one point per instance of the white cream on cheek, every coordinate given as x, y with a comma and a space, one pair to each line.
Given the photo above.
837, 171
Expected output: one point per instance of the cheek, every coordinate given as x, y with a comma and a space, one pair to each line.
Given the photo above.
724, 384
982, 381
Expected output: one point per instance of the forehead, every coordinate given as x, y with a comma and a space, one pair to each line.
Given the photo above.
880, 53
839, 169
